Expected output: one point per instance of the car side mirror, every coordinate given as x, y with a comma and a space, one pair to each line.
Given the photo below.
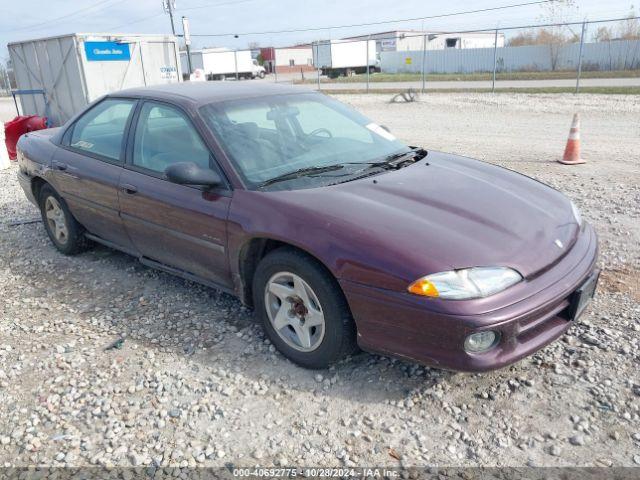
188, 173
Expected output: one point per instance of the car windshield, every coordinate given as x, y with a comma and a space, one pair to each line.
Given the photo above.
270, 137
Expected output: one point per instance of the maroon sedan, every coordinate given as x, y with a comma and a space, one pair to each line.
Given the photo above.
338, 234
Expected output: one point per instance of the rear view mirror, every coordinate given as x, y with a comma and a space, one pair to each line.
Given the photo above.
188, 173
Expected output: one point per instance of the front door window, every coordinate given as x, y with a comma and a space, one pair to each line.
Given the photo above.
164, 136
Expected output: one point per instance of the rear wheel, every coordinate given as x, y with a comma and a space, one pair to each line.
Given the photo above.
303, 310
65, 232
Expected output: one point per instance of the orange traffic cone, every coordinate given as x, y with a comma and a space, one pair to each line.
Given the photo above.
572, 150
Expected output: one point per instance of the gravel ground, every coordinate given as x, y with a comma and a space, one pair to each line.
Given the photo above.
196, 382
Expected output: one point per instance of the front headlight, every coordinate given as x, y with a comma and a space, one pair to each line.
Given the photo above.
576, 214
465, 284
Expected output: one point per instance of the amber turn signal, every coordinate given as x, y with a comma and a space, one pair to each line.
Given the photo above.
423, 287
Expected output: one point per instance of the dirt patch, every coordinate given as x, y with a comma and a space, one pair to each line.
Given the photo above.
623, 280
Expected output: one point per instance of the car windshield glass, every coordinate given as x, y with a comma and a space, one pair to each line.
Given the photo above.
271, 137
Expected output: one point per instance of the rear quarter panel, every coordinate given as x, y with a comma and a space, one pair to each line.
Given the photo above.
35, 154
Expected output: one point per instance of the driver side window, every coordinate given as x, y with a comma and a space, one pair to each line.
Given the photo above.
165, 136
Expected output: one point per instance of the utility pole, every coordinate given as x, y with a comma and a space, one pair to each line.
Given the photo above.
368, 41
186, 34
169, 6
424, 61
495, 61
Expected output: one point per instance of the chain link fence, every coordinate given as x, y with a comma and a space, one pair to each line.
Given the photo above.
5, 83
563, 56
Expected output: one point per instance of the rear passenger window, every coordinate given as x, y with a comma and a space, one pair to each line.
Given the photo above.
165, 136
101, 129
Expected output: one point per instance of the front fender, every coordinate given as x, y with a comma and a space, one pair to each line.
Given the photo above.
343, 252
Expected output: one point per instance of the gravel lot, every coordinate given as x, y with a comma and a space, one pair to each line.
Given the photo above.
197, 383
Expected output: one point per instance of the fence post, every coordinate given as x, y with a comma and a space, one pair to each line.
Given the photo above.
424, 67
235, 61
368, 39
495, 61
275, 65
584, 27
317, 45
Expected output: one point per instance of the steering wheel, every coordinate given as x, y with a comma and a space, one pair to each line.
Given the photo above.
320, 130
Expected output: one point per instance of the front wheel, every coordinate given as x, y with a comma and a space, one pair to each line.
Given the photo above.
302, 309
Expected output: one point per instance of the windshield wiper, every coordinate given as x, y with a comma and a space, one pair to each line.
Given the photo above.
394, 160
301, 172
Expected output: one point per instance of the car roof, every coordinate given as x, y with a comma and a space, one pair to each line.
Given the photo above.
202, 93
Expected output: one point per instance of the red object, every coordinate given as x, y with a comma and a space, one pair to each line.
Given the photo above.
572, 150
19, 126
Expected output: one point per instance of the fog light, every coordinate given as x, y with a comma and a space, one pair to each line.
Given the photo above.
480, 341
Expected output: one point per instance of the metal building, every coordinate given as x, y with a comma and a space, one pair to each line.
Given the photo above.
288, 59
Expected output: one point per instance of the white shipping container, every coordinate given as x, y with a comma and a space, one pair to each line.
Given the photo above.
335, 54
218, 62
76, 69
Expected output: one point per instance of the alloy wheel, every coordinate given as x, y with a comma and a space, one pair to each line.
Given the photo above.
294, 311
56, 220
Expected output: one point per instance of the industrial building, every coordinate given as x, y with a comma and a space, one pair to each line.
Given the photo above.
287, 59
411, 40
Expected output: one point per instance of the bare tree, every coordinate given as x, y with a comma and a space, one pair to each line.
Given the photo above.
556, 36
604, 34
629, 29
560, 13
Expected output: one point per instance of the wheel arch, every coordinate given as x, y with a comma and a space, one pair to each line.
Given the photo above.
36, 187
253, 251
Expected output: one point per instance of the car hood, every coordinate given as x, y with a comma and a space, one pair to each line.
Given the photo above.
446, 212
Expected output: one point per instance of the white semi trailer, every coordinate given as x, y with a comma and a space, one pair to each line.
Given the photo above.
58, 76
342, 58
219, 63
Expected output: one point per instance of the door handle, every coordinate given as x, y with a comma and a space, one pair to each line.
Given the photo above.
128, 188
61, 166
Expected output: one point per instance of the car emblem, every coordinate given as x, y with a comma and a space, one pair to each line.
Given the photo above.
559, 243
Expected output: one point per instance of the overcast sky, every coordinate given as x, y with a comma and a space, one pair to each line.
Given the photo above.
26, 19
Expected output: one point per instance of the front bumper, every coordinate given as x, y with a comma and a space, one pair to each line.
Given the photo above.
404, 325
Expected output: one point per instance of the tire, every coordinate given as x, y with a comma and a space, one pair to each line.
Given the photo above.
261, 74
54, 210
329, 343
